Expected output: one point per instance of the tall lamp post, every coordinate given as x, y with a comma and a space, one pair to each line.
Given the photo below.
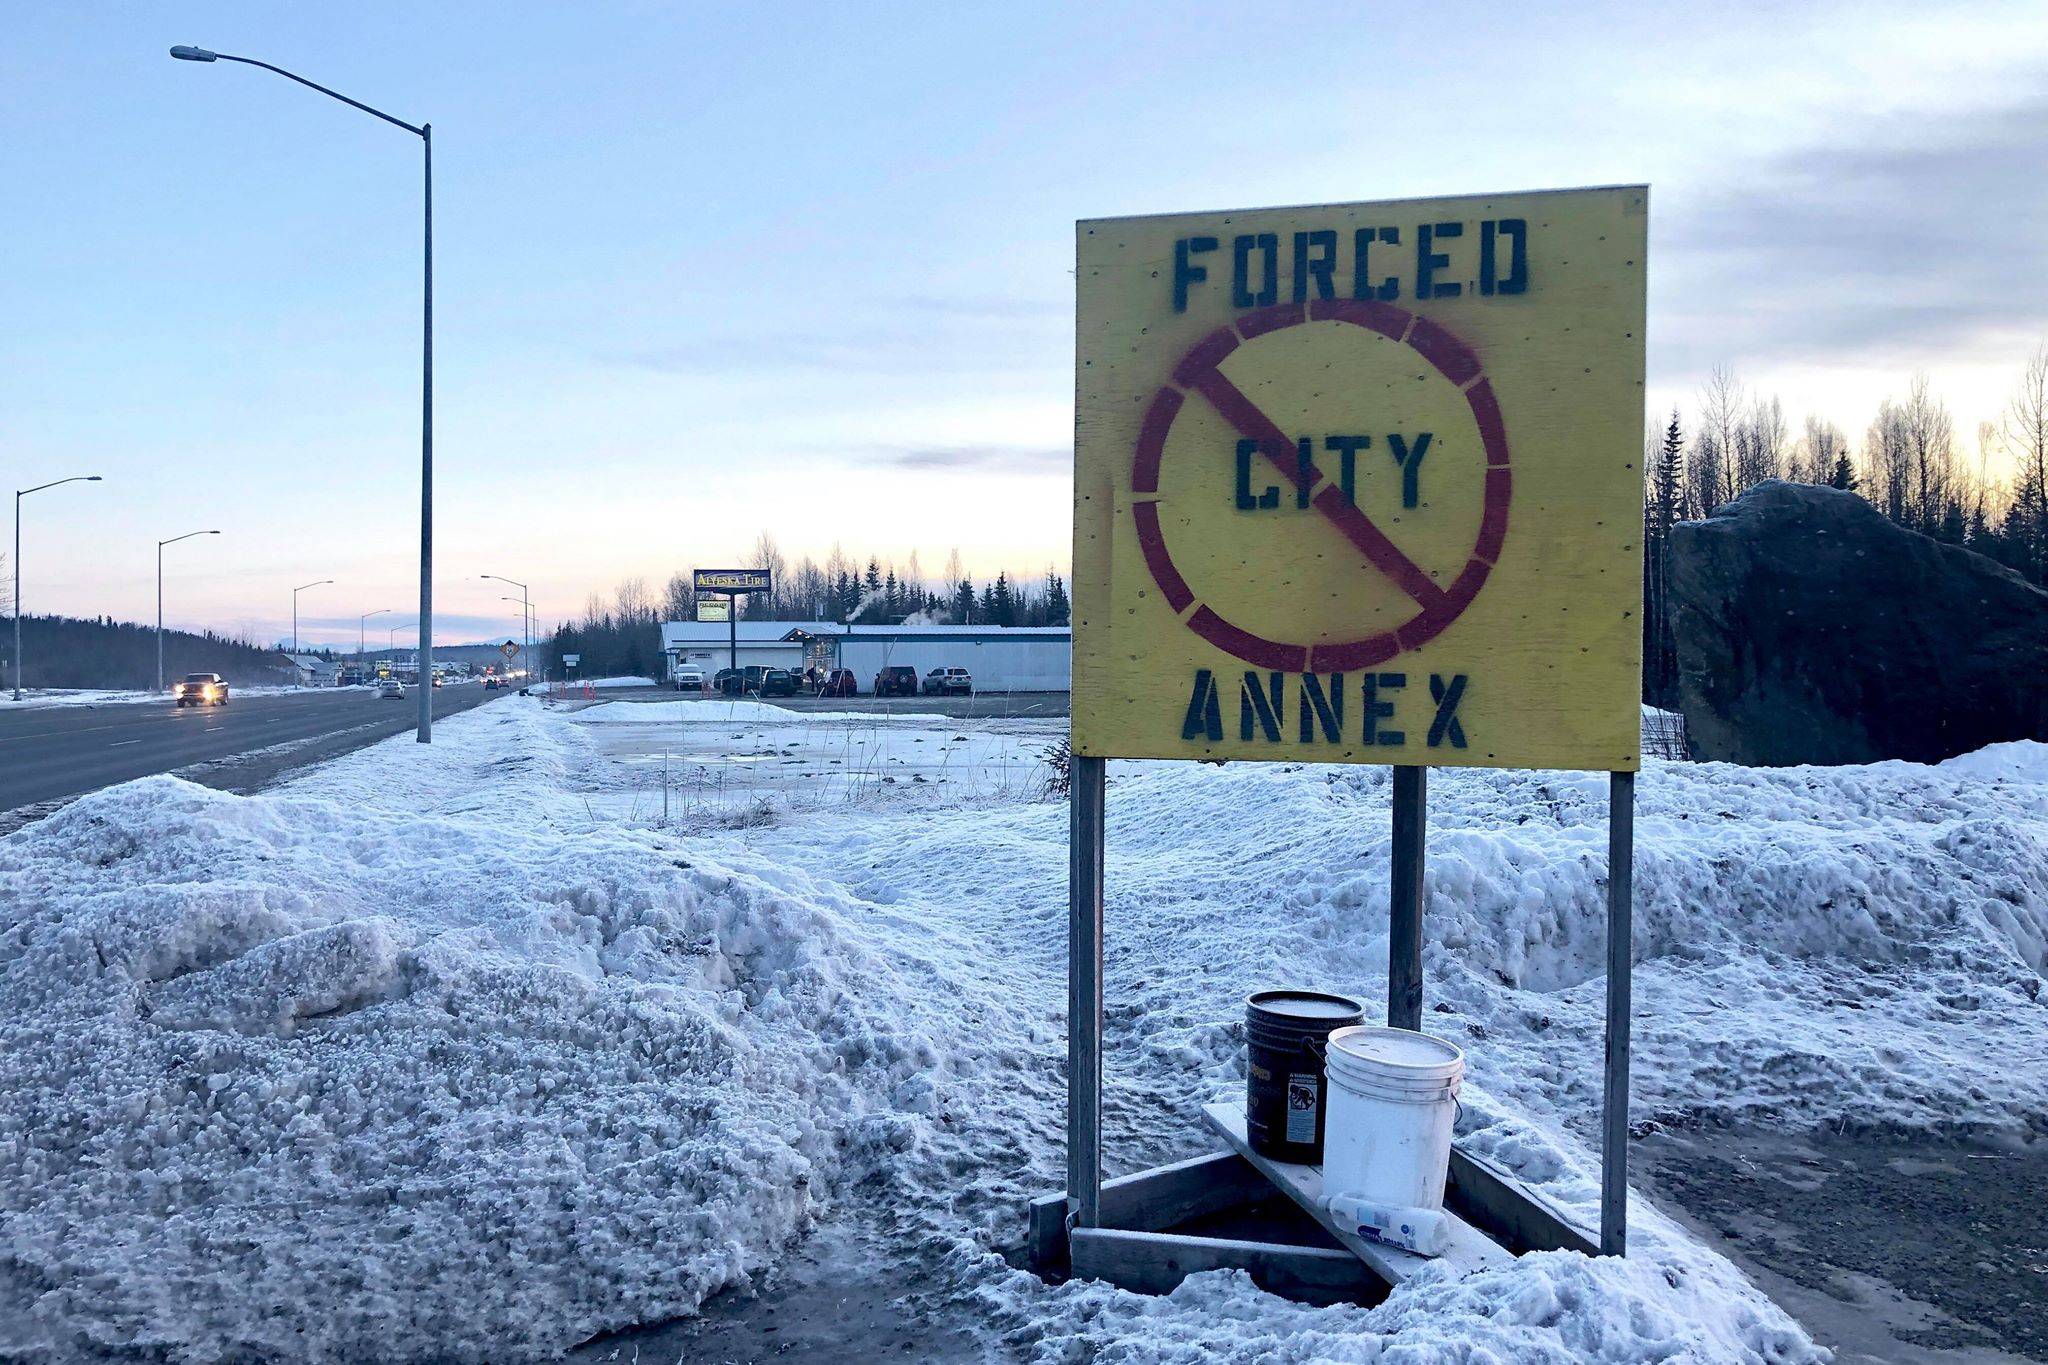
425, 133
160, 598
295, 623
525, 618
362, 621
19, 494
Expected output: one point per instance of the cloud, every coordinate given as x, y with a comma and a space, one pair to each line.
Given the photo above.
1901, 237
919, 334
995, 458
990, 309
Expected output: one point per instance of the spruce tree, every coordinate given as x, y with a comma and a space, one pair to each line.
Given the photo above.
1058, 610
1005, 613
963, 603
1843, 476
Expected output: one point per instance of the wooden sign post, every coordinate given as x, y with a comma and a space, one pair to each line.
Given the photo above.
1360, 483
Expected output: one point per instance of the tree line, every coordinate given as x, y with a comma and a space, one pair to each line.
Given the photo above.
621, 636
1911, 465
70, 651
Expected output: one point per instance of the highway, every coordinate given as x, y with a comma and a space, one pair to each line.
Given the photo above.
51, 753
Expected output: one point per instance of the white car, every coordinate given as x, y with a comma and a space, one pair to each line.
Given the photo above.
689, 679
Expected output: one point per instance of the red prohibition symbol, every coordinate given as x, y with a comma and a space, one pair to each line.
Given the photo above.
1436, 607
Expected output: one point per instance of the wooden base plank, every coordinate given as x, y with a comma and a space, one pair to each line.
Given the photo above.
1469, 1250
1510, 1212
1155, 1262
1147, 1201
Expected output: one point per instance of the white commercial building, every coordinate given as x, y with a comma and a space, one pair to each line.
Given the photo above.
1001, 658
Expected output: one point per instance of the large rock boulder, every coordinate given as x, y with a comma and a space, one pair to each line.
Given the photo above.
1810, 629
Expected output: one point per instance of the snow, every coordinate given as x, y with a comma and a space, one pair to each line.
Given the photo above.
724, 711
463, 1052
108, 696
578, 684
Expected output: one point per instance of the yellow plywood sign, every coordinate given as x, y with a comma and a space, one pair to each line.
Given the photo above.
1362, 483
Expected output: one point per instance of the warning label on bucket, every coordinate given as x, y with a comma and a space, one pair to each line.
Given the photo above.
1304, 1094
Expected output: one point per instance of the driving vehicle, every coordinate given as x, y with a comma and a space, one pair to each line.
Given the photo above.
391, 690
689, 678
492, 682
200, 689
948, 682
838, 683
776, 682
897, 680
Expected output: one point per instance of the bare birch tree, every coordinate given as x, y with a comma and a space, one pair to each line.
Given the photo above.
2025, 432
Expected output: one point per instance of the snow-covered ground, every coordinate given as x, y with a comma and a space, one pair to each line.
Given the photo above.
579, 684
111, 696
463, 1052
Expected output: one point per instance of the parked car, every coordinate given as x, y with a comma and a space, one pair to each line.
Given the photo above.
727, 682
838, 682
200, 689
948, 682
897, 680
391, 689
777, 682
689, 679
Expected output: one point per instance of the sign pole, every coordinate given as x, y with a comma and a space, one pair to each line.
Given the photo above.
1404, 911
1084, 991
1621, 849
732, 625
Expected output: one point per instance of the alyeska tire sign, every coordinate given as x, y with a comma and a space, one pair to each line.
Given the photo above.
1363, 483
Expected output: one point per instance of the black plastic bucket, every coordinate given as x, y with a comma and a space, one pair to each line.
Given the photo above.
1283, 1101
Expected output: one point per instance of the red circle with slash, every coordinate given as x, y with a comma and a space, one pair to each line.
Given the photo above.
1437, 607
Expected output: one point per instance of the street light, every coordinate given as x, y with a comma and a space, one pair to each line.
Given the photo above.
19, 494
425, 133
391, 636
295, 623
160, 598
525, 618
361, 621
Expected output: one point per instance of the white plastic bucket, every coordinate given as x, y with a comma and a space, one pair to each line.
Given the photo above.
1393, 1097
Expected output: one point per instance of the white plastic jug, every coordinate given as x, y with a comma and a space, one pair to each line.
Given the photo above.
1393, 1097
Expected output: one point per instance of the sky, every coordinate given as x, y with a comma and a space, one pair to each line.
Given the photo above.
707, 270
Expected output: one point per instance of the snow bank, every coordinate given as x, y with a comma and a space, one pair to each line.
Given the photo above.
105, 696
431, 1055
578, 684
728, 711
1841, 946
287, 1078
